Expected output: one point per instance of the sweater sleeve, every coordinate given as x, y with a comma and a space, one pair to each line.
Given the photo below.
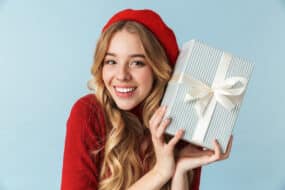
81, 168
196, 179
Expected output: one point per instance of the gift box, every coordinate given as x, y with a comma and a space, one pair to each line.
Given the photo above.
205, 93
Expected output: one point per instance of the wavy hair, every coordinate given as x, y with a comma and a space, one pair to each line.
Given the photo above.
122, 165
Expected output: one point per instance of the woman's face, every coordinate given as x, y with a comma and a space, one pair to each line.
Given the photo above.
126, 74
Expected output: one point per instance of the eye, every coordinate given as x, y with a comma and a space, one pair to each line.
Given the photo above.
109, 62
137, 64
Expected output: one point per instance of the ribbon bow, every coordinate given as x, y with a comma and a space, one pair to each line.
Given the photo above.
227, 92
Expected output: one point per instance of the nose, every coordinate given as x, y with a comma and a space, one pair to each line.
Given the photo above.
123, 73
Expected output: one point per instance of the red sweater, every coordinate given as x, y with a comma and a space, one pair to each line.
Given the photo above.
85, 133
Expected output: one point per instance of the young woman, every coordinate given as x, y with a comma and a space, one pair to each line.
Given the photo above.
115, 137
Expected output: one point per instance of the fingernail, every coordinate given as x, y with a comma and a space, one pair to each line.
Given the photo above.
216, 140
166, 120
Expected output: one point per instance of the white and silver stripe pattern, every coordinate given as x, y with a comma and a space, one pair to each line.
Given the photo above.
201, 61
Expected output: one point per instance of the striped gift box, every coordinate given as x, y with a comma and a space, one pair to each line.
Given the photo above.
205, 93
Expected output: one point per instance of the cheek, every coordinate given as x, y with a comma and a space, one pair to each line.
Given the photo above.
147, 79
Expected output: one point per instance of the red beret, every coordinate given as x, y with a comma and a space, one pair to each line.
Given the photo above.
152, 21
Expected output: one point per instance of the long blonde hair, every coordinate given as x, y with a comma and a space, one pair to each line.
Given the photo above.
122, 165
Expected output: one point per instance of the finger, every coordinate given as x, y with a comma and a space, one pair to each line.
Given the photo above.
229, 147
197, 154
188, 150
158, 135
194, 162
179, 134
154, 116
217, 151
196, 148
158, 118
162, 127
193, 151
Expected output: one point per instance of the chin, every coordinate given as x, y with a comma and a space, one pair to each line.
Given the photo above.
125, 107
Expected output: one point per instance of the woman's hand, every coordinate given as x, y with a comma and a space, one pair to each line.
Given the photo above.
188, 158
165, 161
191, 156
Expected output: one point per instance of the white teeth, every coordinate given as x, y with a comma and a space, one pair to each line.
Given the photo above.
124, 89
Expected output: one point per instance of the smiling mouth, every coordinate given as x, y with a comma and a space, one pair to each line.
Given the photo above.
124, 92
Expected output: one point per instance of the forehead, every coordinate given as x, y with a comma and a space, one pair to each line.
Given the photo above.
125, 43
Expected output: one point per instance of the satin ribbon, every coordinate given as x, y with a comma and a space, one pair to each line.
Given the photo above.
227, 92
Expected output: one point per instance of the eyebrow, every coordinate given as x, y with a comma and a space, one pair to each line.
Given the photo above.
132, 55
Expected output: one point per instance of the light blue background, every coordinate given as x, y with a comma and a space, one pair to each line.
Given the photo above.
46, 50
